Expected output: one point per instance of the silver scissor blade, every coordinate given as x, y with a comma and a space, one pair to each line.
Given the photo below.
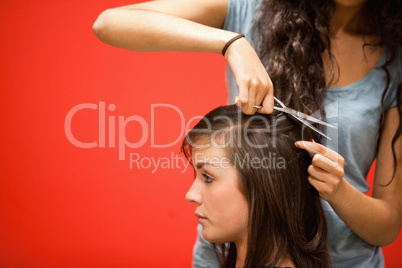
313, 119
280, 103
311, 126
302, 115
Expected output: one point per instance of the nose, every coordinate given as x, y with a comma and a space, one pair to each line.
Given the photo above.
193, 194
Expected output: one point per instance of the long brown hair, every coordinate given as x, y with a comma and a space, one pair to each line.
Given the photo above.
292, 35
285, 214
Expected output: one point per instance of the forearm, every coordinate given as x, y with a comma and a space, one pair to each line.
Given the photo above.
376, 221
143, 30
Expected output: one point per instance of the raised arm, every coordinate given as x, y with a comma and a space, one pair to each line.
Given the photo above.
191, 26
165, 26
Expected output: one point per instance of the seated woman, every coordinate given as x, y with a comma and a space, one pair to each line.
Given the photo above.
251, 190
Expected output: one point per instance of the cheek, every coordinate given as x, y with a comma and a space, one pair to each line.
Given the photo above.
242, 213
237, 226
230, 213
226, 203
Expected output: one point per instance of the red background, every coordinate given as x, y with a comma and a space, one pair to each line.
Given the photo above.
63, 206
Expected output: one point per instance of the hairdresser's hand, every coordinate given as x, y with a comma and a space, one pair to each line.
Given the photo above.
326, 169
255, 86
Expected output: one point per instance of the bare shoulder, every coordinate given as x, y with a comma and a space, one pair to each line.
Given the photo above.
207, 12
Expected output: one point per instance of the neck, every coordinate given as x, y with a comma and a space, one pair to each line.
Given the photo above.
285, 262
347, 18
241, 251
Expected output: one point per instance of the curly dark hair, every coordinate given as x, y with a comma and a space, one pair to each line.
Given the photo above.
291, 36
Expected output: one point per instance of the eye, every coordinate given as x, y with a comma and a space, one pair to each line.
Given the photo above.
208, 179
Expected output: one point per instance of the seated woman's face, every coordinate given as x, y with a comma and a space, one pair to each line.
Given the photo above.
221, 208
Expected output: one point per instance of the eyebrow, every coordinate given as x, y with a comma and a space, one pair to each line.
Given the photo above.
201, 164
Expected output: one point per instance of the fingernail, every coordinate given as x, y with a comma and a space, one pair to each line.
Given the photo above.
297, 143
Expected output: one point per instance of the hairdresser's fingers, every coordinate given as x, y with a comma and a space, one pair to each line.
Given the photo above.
268, 102
259, 96
316, 183
237, 99
264, 97
319, 185
325, 189
317, 148
324, 163
257, 91
252, 100
318, 173
330, 176
323, 175
251, 77
264, 92
243, 95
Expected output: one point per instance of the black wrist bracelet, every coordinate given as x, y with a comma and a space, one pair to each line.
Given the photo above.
230, 42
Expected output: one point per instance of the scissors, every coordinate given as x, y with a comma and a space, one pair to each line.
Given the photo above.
304, 118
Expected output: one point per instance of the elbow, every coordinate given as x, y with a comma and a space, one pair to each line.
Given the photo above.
383, 241
387, 239
100, 26
392, 237
393, 229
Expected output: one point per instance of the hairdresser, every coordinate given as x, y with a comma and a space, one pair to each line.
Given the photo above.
340, 59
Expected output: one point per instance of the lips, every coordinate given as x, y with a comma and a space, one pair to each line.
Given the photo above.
200, 218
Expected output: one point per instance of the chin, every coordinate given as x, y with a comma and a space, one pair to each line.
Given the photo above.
208, 237
212, 238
